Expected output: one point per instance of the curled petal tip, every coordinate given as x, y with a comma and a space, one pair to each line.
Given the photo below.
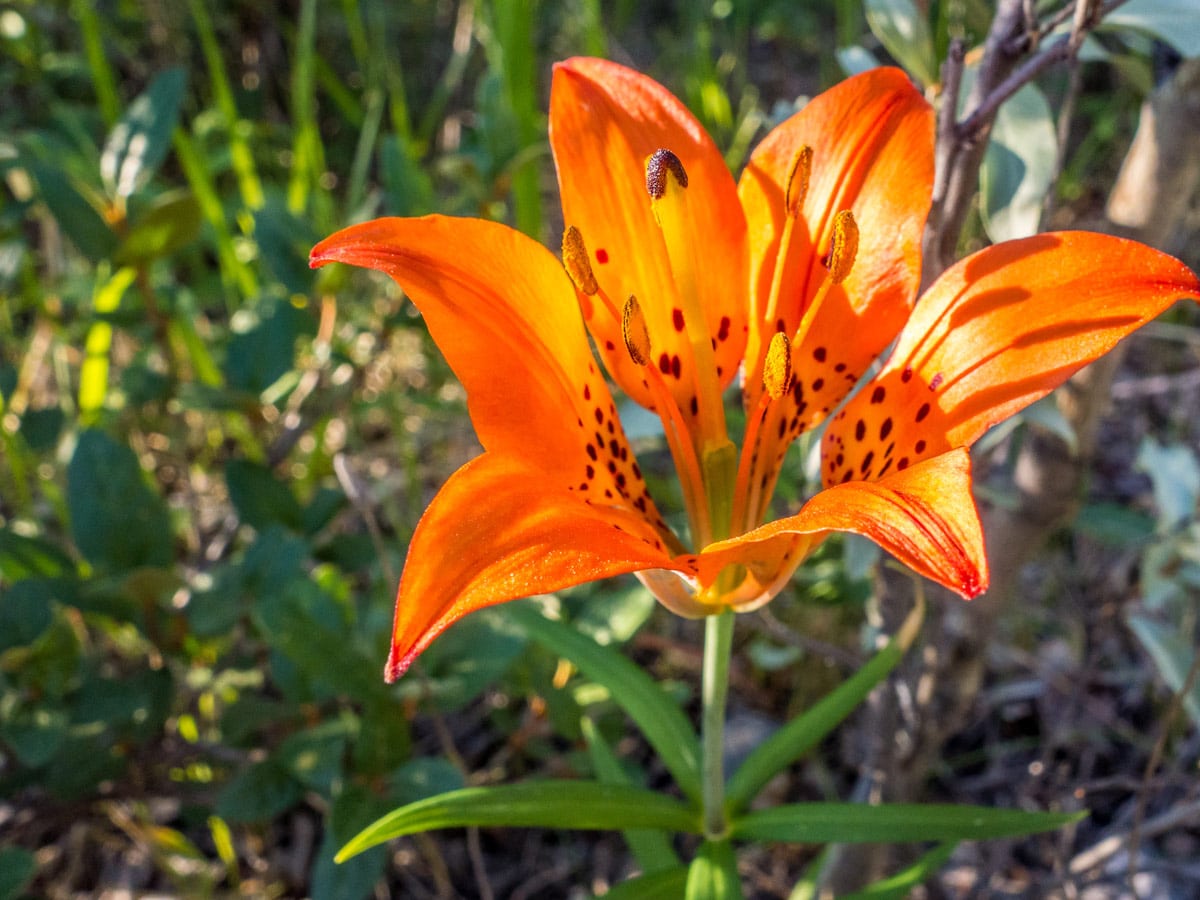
397, 664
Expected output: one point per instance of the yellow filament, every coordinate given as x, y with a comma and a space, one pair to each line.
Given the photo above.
843, 248
576, 262
787, 264
777, 378
666, 183
637, 342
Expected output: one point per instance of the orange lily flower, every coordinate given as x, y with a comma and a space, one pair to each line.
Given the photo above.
797, 277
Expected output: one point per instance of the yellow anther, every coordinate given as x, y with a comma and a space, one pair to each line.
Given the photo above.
843, 247
797, 182
633, 330
576, 262
777, 368
661, 164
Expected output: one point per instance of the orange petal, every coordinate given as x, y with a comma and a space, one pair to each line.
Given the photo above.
605, 120
872, 153
502, 310
925, 516
994, 333
495, 532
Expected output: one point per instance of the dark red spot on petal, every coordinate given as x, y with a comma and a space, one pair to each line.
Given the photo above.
920, 448
723, 331
878, 394
885, 429
922, 412
860, 430
819, 354
937, 381
601, 255
677, 319
818, 384
906, 375
664, 363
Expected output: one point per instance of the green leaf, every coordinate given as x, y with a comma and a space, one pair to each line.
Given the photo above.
1172, 21
1114, 524
17, 866
261, 352
902, 29
898, 886
139, 142
1018, 166
22, 556
172, 222
259, 497
803, 733
1173, 654
656, 886
583, 805
26, 612
472, 654
651, 849
78, 218
34, 733
259, 793
660, 719
314, 756
860, 823
1175, 475
41, 428
713, 873
117, 522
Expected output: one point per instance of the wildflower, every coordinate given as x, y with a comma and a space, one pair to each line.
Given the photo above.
797, 277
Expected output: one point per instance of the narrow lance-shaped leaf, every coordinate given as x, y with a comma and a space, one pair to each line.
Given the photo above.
583, 805
803, 733
861, 823
652, 849
662, 722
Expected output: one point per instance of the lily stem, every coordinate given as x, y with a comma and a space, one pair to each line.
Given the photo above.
718, 641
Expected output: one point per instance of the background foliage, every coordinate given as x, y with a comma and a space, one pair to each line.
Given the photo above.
211, 458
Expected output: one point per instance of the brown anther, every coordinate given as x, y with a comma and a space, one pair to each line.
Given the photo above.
797, 182
843, 247
777, 368
576, 262
657, 166
633, 330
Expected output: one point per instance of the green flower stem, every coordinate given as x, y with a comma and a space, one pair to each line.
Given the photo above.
718, 639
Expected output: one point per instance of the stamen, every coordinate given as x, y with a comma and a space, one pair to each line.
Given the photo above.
843, 247
635, 333
660, 163
777, 379
666, 183
675, 429
797, 182
777, 370
576, 262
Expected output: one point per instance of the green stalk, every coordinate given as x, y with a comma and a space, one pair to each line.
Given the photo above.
718, 640
103, 80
